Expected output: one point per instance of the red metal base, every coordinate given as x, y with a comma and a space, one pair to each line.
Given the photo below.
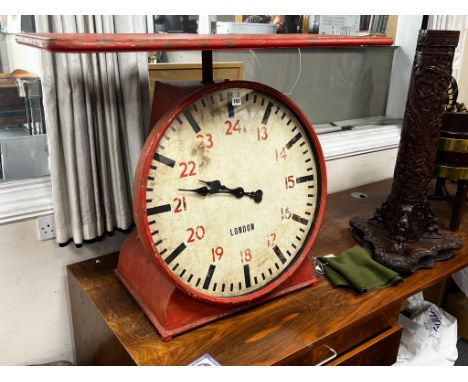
174, 312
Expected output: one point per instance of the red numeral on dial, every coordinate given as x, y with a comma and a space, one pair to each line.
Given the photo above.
181, 204
281, 154
233, 127
271, 238
188, 169
246, 255
262, 133
289, 181
216, 253
196, 233
209, 141
285, 213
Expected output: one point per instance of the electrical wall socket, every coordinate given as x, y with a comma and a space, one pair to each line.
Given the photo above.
46, 227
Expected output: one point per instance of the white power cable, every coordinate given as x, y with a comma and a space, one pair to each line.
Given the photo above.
298, 74
258, 62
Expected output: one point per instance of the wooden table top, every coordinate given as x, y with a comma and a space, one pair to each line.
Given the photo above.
267, 334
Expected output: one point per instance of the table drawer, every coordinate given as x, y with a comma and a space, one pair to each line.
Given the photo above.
382, 350
345, 339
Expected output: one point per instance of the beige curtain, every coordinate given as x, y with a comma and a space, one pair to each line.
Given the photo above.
97, 116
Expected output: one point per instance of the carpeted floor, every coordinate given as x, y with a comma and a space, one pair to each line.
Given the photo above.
462, 347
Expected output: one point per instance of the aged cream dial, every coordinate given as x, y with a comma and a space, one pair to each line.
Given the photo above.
232, 192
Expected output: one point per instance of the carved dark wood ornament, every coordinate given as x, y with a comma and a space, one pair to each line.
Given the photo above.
404, 233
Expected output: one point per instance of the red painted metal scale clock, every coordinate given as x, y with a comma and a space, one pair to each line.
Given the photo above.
229, 192
228, 197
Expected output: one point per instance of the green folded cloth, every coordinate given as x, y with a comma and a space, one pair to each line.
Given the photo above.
354, 268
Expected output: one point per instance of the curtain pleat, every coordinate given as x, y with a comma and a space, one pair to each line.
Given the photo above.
97, 114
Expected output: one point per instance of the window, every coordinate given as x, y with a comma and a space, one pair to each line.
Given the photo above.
23, 140
343, 91
24, 171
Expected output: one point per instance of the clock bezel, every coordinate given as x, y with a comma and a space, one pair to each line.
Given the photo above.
143, 168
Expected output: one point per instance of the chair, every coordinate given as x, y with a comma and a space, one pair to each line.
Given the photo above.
452, 164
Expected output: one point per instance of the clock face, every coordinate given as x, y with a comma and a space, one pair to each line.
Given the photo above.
232, 192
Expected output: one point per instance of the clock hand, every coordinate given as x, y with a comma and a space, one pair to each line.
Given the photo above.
256, 196
215, 186
203, 191
238, 192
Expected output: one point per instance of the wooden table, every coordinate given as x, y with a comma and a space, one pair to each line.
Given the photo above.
298, 329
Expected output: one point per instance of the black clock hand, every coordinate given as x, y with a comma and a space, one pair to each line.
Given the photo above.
217, 187
237, 192
214, 188
203, 191
256, 196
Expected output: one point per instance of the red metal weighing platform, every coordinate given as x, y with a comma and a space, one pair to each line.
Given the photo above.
141, 42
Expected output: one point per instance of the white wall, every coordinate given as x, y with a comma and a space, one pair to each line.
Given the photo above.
4, 53
406, 39
18, 56
35, 318
22, 57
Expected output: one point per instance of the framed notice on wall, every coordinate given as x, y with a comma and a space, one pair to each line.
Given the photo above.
339, 25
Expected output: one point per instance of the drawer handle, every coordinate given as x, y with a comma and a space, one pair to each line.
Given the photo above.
333, 356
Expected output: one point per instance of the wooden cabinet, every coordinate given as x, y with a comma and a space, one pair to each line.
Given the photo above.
306, 327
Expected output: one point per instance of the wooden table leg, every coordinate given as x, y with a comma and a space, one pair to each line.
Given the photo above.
459, 205
440, 184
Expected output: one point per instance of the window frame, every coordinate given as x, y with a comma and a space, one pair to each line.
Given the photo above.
17, 202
